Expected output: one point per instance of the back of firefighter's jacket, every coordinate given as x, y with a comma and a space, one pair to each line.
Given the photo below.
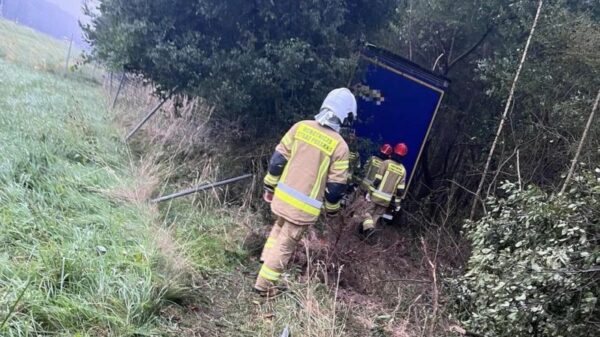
371, 169
315, 155
393, 178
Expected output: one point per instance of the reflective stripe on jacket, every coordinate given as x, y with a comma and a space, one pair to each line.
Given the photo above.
393, 178
316, 155
371, 169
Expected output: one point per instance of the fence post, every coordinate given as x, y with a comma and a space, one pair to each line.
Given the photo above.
110, 84
141, 123
68, 56
118, 90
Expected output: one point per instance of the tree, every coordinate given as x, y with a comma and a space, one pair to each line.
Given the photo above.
480, 43
261, 63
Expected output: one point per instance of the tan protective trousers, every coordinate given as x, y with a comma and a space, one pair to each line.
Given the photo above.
367, 212
372, 214
277, 252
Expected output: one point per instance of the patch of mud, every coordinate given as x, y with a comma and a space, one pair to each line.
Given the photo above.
369, 265
385, 280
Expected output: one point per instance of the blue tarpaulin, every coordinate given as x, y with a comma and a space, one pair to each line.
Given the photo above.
397, 102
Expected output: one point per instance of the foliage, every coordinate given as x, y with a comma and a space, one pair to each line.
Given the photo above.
555, 94
259, 62
534, 264
479, 44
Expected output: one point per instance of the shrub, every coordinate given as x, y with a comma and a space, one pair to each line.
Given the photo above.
534, 264
261, 63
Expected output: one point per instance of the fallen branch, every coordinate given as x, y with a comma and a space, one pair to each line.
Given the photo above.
435, 291
403, 280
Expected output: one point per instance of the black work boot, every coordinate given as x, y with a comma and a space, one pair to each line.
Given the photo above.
365, 233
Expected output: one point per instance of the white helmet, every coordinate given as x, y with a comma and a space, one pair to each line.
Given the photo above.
338, 108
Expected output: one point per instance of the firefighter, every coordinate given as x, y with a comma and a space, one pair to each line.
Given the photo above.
307, 174
387, 189
372, 166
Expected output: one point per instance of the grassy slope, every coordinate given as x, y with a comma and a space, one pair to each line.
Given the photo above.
60, 162
63, 170
65, 182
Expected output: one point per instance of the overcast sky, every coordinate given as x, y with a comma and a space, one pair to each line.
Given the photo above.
73, 7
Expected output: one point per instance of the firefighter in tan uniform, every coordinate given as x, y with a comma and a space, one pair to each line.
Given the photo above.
388, 187
372, 166
307, 174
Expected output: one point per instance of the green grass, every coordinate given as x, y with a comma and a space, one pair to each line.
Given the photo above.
19, 44
60, 159
25, 46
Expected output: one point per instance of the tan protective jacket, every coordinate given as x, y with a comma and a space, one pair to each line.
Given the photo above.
393, 179
316, 155
371, 169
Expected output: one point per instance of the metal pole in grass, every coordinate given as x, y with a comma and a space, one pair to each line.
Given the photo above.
200, 188
118, 90
12, 309
143, 121
110, 84
68, 56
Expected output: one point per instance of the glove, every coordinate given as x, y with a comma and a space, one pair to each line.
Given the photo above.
376, 183
268, 195
368, 197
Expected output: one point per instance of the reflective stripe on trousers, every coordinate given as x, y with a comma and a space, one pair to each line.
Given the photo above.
270, 242
268, 273
333, 207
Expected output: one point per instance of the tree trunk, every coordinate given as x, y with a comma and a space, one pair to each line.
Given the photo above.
581, 142
505, 113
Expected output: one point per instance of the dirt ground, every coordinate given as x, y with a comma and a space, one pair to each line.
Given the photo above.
385, 282
388, 256
387, 275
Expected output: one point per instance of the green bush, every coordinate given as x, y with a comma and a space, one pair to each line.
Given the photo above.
261, 63
534, 265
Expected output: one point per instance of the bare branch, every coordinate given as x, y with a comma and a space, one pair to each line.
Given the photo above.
470, 50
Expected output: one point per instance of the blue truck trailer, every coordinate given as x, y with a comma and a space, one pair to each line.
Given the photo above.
397, 102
